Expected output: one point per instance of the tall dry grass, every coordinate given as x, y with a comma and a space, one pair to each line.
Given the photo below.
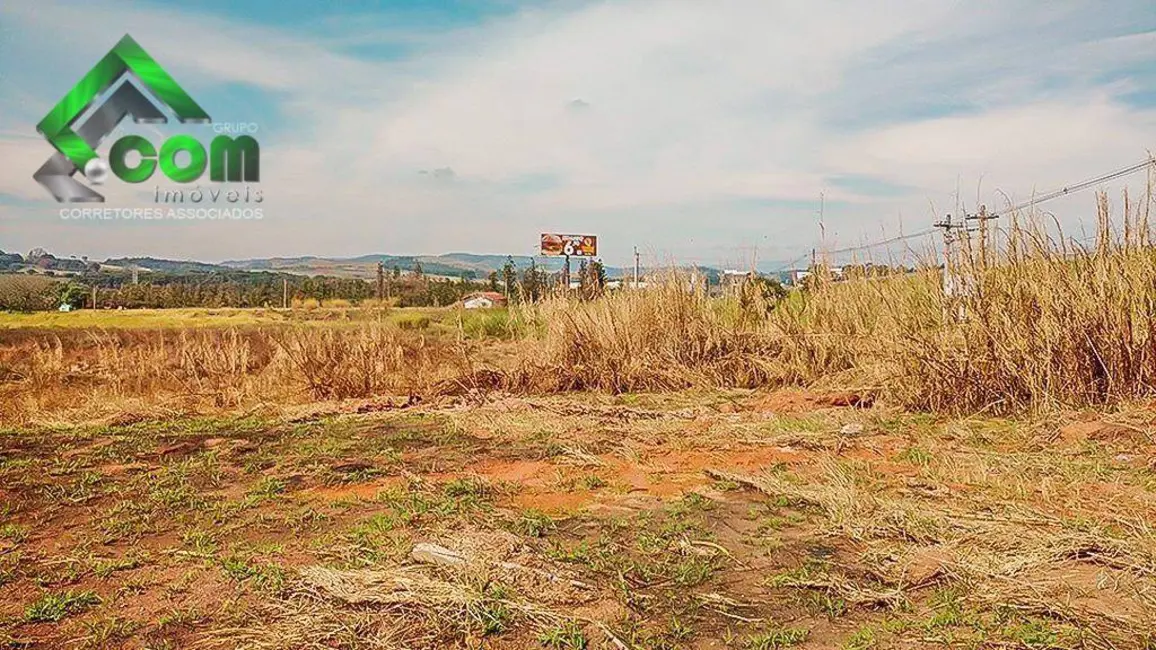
670, 336
366, 361
1036, 322
102, 372
1041, 321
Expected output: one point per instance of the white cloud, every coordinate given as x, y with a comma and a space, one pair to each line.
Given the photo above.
704, 123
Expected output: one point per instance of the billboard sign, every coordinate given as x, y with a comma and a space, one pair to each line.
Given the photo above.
556, 245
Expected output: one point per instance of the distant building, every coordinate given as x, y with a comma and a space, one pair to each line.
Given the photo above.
795, 276
732, 280
484, 300
65, 307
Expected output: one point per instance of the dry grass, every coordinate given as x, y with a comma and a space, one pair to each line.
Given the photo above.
104, 371
363, 362
1009, 554
1048, 324
670, 337
414, 605
1039, 323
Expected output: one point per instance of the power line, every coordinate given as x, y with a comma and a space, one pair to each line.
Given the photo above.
1071, 189
892, 240
1049, 196
850, 249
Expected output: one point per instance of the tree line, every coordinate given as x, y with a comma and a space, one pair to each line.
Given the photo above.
237, 288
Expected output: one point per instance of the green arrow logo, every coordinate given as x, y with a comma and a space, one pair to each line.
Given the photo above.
77, 149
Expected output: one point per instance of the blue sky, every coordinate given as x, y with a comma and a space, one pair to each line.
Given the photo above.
696, 131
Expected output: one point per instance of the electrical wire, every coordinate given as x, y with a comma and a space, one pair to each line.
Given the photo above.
1072, 189
1049, 196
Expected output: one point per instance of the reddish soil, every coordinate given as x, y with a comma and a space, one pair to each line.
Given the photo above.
233, 514
799, 401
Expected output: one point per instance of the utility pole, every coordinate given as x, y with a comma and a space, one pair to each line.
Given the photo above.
950, 290
956, 286
94, 296
566, 275
284, 293
948, 227
951, 227
983, 217
635, 267
135, 271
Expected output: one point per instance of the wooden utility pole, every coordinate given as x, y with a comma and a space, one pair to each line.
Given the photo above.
949, 228
983, 217
957, 286
284, 293
94, 296
635, 267
950, 286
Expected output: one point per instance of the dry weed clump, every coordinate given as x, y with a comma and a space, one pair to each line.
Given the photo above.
668, 337
1046, 324
96, 371
1009, 555
1028, 320
1017, 319
480, 587
364, 361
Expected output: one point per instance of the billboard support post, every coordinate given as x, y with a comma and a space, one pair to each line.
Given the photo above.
567, 246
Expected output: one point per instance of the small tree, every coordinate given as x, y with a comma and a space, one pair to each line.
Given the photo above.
73, 295
591, 278
509, 275
598, 274
533, 282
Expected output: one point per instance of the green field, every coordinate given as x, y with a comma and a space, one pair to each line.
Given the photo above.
176, 319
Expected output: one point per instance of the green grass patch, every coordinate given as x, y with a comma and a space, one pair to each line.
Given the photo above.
54, 607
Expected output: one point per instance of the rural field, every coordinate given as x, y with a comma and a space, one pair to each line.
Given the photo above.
865, 463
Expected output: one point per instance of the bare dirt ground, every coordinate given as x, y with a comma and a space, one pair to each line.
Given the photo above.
688, 520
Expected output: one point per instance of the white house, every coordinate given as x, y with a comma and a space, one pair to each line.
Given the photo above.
484, 300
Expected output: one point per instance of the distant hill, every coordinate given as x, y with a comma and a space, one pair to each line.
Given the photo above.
166, 266
363, 266
469, 265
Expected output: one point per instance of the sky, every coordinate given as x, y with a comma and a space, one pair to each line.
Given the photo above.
696, 131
